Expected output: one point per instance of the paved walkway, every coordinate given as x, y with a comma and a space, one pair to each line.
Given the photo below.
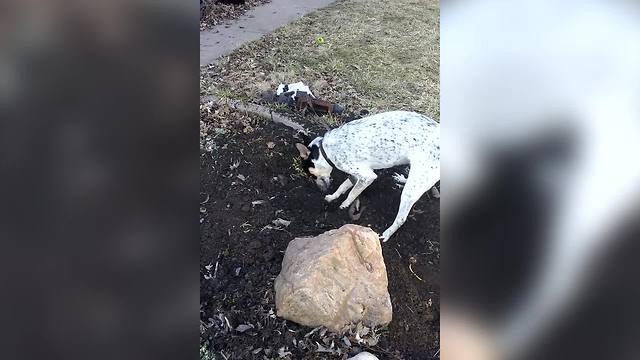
255, 23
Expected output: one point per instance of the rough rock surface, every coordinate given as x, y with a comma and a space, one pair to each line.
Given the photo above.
334, 279
364, 356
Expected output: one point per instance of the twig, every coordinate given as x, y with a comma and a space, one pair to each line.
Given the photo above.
414, 274
377, 348
256, 109
269, 227
215, 271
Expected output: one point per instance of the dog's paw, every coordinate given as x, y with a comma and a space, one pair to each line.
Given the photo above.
386, 235
345, 204
330, 198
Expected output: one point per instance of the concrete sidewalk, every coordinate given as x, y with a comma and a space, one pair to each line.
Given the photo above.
257, 22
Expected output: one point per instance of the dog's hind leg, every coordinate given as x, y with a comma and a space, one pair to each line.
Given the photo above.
346, 185
420, 180
364, 178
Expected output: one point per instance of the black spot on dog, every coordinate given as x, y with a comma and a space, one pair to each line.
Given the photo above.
308, 162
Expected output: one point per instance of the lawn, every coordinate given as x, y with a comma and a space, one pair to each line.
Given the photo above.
375, 55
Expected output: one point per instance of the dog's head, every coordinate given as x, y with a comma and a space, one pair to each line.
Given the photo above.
314, 164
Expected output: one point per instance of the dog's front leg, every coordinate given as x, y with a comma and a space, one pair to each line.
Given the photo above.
346, 185
364, 179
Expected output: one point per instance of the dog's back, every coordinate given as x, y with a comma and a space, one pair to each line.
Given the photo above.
386, 139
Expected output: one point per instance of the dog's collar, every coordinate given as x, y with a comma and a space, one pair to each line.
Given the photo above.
324, 155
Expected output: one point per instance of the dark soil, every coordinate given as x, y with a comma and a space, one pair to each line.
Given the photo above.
248, 256
213, 13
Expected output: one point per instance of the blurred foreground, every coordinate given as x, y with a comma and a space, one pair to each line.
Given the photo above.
99, 154
541, 179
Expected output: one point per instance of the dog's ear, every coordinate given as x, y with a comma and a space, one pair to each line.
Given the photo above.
304, 151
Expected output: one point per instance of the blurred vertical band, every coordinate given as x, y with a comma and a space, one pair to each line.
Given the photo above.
98, 153
540, 111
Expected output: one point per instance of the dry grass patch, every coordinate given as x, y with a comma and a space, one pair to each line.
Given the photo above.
372, 54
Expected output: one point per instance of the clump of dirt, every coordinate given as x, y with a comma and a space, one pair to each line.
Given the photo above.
213, 12
249, 180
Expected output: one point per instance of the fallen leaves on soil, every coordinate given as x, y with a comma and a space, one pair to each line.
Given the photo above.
213, 13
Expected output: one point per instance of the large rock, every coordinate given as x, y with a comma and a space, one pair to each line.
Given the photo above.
364, 356
335, 279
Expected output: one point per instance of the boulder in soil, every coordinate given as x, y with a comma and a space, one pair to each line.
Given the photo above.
335, 279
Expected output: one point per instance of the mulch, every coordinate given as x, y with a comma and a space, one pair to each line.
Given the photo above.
248, 179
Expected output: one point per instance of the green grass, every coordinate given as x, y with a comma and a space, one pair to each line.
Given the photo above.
228, 94
377, 55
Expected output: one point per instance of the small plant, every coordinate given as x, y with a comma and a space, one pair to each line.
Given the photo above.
297, 166
279, 107
333, 121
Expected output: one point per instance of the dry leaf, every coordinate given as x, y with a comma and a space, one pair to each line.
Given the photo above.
283, 222
242, 328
